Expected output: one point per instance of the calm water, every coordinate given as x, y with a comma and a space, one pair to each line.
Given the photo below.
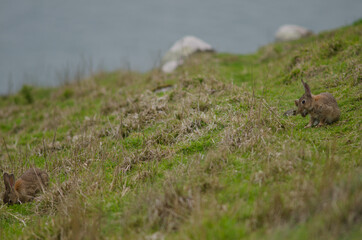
43, 41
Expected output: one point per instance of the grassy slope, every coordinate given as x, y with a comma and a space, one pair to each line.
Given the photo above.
213, 158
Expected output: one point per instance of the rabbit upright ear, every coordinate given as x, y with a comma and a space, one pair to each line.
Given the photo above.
9, 181
306, 88
12, 180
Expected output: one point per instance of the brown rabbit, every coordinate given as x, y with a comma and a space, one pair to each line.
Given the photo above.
322, 108
26, 187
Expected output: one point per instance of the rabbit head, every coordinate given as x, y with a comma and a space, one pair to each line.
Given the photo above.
305, 103
10, 196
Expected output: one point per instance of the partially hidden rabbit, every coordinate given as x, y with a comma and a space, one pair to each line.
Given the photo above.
26, 187
322, 108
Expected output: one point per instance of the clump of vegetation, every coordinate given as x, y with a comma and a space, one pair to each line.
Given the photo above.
26, 92
211, 157
68, 93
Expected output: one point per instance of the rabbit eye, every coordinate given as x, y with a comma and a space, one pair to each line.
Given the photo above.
303, 101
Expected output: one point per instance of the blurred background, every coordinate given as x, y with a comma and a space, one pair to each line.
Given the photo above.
46, 43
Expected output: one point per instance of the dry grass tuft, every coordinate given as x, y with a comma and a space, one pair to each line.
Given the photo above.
74, 222
173, 207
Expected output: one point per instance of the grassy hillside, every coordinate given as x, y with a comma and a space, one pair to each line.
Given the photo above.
213, 157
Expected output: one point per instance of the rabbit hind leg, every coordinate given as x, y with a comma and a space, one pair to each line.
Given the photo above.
321, 123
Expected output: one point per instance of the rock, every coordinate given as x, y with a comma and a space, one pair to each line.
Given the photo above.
171, 65
182, 49
291, 32
163, 88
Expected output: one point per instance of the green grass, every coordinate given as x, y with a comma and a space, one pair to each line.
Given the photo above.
212, 158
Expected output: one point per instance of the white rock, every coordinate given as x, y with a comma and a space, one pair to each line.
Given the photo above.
192, 43
168, 67
291, 32
182, 49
